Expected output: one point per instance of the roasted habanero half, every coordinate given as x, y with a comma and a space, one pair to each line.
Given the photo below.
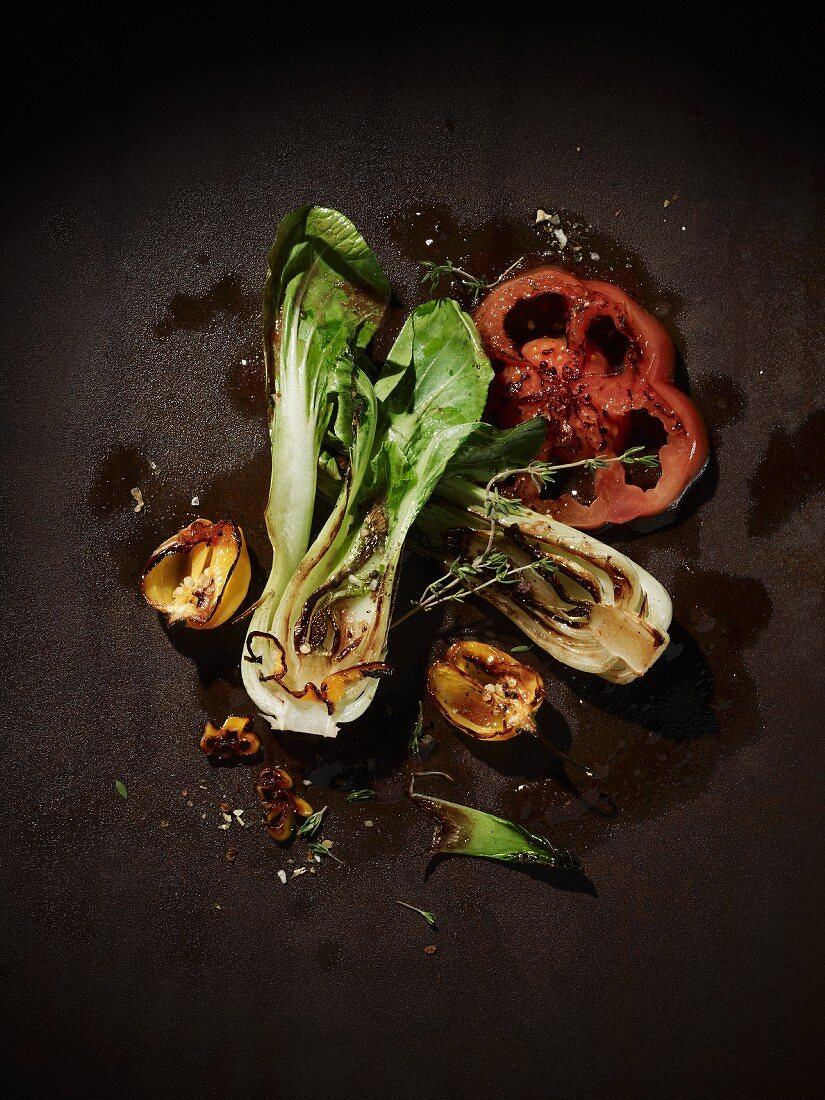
484, 692
599, 370
199, 576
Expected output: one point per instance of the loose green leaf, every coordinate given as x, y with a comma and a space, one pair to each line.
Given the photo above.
363, 795
428, 917
463, 831
520, 648
310, 827
120, 787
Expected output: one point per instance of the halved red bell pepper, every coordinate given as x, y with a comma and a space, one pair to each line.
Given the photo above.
587, 358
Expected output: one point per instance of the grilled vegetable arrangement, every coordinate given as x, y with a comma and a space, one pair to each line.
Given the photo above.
398, 454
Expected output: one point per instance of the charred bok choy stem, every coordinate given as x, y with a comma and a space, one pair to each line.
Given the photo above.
313, 664
584, 603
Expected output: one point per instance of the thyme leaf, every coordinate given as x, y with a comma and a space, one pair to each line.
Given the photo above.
120, 787
428, 917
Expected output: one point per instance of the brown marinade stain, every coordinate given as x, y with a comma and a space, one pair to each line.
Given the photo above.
196, 312
789, 475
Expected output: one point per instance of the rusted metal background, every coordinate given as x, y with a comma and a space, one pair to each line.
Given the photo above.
144, 178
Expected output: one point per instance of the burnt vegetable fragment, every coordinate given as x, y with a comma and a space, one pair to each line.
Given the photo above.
234, 738
280, 805
464, 831
199, 576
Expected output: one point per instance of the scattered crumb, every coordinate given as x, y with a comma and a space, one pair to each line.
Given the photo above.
369, 824
243, 362
224, 807
307, 782
561, 237
224, 827
195, 501
153, 466
326, 843
217, 906
666, 202
231, 854
282, 876
299, 871
184, 794
140, 503
164, 824
190, 802
429, 949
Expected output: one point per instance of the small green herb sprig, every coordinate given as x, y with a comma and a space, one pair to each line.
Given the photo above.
433, 272
366, 794
308, 829
320, 849
414, 743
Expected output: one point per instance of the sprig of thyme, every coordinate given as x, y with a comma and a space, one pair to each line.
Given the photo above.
491, 567
319, 848
543, 474
433, 272
310, 827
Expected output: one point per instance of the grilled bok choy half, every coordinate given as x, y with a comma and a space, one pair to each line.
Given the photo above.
585, 604
317, 643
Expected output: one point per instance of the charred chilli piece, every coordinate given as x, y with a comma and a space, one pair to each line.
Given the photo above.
281, 805
199, 576
490, 695
234, 738
599, 370
485, 692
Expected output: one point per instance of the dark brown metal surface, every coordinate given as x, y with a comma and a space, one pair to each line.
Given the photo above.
143, 185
